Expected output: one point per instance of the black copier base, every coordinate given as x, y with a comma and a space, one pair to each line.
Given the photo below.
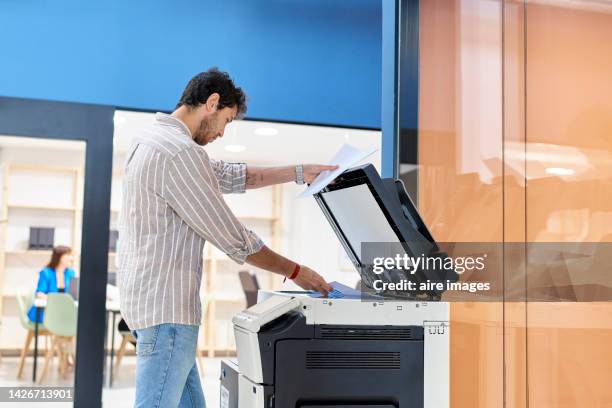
348, 373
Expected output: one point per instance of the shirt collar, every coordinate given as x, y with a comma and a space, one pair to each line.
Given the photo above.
172, 121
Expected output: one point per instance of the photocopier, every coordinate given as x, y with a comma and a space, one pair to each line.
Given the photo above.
297, 349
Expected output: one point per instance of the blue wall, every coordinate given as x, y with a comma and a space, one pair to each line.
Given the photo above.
298, 60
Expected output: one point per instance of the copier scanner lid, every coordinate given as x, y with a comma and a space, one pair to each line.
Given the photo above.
362, 207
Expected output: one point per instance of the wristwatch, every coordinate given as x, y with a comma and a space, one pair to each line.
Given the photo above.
299, 174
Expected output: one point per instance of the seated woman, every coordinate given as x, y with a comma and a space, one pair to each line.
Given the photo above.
54, 278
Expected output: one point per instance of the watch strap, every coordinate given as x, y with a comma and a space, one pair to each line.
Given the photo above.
299, 174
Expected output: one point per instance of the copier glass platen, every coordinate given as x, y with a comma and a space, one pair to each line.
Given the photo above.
299, 351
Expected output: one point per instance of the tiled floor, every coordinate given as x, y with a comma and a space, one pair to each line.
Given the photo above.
121, 395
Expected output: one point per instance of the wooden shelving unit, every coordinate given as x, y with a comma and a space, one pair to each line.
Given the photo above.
10, 208
40, 207
69, 214
215, 265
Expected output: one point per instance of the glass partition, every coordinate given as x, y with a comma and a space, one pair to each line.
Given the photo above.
461, 175
515, 108
568, 174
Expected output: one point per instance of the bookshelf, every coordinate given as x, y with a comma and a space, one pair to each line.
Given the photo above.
33, 195
38, 195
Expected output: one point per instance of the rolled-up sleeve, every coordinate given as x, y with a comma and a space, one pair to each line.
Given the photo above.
231, 176
190, 188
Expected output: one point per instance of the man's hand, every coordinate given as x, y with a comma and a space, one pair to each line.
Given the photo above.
310, 280
311, 171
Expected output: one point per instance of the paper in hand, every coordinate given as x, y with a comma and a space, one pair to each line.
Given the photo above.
345, 158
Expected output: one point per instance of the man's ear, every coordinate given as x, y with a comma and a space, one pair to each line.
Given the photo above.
212, 102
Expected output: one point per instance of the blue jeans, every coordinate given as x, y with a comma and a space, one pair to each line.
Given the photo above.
166, 372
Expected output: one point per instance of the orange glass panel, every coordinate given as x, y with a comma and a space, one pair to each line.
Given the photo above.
460, 171
569, 199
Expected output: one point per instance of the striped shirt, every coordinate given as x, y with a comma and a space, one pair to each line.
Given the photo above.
173, 204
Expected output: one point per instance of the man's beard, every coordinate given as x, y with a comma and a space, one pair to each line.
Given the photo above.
203, 134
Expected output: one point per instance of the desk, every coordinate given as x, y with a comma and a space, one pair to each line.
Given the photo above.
112, 307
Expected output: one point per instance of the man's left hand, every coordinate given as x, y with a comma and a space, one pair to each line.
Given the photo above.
311, 171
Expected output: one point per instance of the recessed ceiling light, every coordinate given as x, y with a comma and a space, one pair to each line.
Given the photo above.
560, 171
119, 119
235, 148
266, 131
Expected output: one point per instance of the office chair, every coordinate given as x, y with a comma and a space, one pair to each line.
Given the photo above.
25, 301
74, 288
250, 286
126, 338
61, 321
112, 278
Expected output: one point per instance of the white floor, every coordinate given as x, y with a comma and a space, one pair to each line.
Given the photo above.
121, 395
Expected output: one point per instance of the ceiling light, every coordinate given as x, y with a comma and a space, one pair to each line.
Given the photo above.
235, 148
560, 171
119, 119
266, 131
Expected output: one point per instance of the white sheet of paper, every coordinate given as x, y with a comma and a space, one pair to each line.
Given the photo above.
345, 158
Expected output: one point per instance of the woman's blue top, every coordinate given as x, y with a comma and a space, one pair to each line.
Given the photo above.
47, 283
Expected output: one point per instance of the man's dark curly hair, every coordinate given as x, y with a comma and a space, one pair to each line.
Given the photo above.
204, 84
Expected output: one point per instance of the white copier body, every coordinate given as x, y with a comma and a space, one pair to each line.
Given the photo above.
432, 316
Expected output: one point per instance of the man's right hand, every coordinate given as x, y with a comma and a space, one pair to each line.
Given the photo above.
310, 280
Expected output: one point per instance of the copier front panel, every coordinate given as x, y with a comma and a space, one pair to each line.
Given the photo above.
347, 365
307, 364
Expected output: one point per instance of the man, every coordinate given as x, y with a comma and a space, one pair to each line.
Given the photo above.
172, 205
